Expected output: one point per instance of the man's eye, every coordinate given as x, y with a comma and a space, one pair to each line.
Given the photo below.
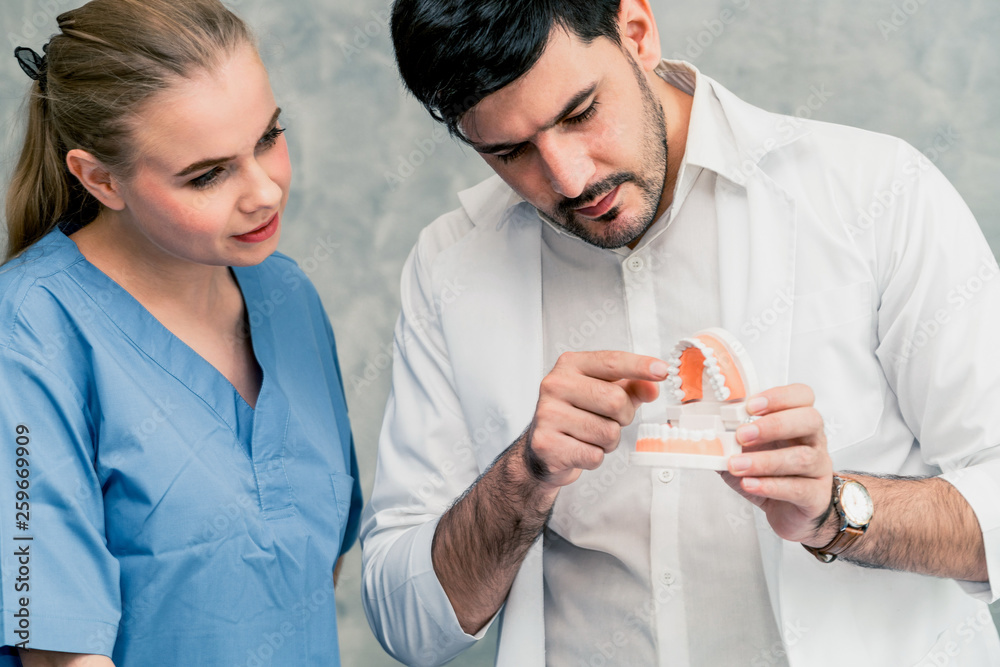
585, 115
511, 156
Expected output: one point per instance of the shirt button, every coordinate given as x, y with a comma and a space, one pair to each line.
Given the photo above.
668, 578
666, 476
635, 264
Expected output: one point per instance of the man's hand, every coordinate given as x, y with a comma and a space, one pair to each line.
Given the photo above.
583, 404
785, 468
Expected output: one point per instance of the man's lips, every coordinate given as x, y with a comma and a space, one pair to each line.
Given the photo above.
601, 207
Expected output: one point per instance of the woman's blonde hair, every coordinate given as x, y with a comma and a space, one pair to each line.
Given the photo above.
109, 57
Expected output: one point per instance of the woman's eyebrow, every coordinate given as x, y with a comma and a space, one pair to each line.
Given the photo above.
215, 161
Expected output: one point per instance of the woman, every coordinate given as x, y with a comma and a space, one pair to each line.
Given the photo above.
180, 473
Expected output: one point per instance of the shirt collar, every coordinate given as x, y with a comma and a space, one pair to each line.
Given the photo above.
710, 141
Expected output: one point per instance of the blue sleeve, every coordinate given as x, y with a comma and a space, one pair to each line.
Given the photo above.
354, 518
60, 584
357, 501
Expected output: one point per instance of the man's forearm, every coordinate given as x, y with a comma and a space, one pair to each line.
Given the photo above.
923, 526
481, 541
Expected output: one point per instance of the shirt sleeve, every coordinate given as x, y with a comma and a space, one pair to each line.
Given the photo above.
350, 456
939, 320
60, 583
424, 464
354, 516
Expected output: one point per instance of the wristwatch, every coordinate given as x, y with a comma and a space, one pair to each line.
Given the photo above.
852, 502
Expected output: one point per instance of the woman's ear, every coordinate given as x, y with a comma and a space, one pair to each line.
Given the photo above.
96, 178
639, 33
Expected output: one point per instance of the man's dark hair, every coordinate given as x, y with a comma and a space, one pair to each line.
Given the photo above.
453, 53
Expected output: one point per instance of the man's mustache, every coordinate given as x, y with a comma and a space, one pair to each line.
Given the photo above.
594, 193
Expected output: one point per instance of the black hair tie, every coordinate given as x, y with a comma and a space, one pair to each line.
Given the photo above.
34, 65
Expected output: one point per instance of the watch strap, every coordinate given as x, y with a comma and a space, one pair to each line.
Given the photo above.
840, 543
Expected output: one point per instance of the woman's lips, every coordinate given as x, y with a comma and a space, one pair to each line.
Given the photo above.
263, 232
601, 207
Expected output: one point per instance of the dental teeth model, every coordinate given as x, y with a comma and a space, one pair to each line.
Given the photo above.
710, 378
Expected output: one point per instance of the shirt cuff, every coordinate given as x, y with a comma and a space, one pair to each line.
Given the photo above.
431, 594
980, 488
67, 635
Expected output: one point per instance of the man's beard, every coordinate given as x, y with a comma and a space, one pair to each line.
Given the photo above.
650, 185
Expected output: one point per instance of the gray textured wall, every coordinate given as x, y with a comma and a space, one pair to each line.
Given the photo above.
918, 69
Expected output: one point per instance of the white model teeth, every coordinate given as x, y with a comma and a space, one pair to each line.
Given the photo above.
666, 432
711, 365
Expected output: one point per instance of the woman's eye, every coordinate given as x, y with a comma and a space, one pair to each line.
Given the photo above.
210, 178
207, 179
271, 137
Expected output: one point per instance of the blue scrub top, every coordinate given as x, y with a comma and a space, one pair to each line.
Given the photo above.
161, 520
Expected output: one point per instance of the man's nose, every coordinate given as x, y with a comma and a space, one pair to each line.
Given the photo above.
567, 164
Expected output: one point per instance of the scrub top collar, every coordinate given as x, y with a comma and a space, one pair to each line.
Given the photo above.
261, 432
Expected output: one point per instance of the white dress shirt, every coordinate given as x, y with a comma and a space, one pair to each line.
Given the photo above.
845, 261
640, 562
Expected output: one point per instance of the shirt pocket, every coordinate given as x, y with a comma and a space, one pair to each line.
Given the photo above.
833, 351
343, 488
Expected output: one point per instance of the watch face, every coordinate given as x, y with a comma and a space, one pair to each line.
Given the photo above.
857, 504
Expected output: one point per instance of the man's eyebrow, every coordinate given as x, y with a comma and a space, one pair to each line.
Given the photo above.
577, 100
215, 161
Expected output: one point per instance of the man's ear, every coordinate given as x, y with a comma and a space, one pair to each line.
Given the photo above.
96, 178
639, 34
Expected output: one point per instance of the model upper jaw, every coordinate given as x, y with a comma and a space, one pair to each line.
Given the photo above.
709, 376
705, 359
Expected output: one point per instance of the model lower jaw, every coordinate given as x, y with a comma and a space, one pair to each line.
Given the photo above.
672, 439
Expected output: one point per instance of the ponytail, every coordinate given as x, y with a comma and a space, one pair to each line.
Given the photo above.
41, 189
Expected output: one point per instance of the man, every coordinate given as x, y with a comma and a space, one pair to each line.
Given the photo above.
638, 201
